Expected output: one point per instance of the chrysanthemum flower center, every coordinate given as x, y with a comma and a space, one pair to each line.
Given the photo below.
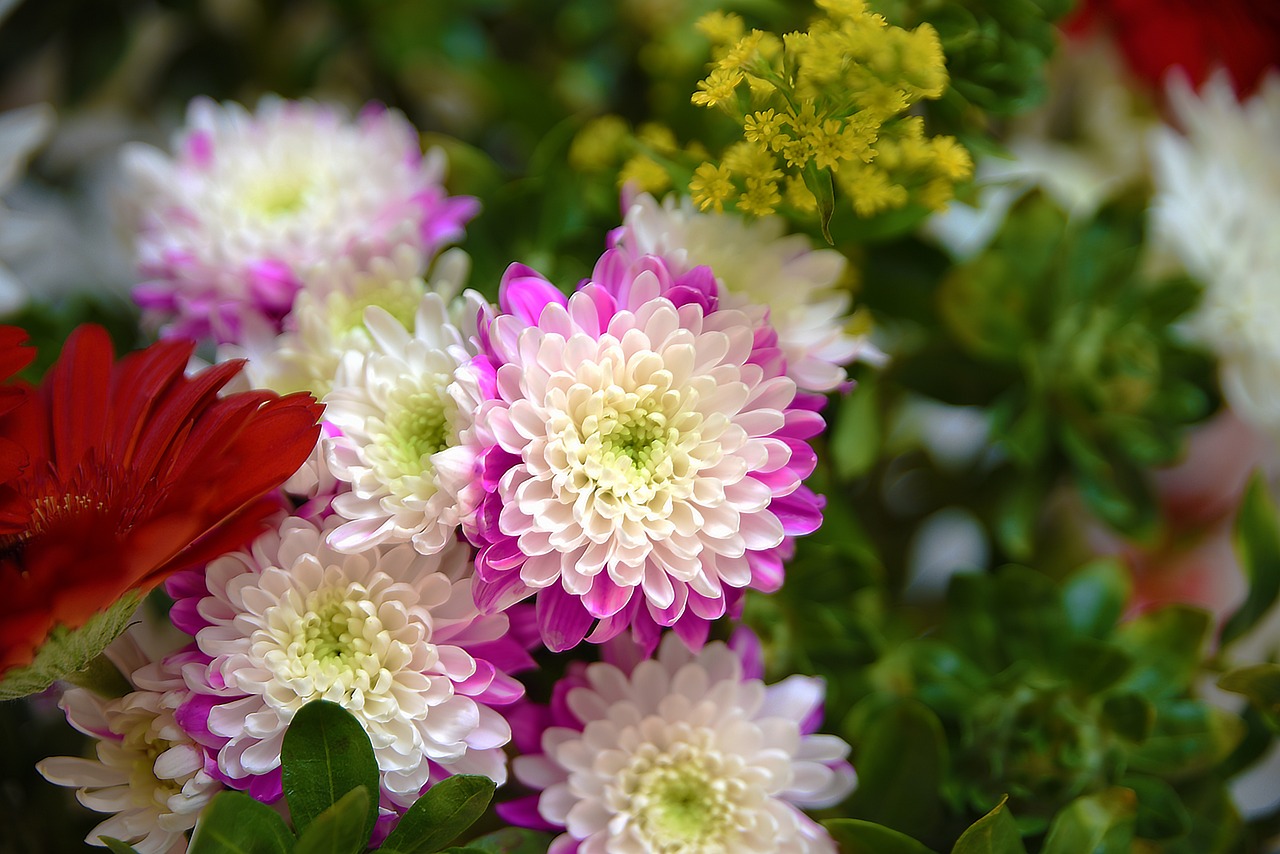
276, 196
631, 440
346, 313
681, 798
419, 423
330, 643
331, 632
140, 747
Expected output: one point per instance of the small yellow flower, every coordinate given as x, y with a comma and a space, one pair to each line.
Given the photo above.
711, 186
761, 197
763, 127
799, 196
717, 88
644, 174
599, 144
658, 137
951, 159
721, 28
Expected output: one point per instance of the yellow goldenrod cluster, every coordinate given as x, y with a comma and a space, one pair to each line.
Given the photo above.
647, 157
826, 107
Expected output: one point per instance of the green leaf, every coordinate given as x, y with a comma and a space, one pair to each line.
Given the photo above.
1095, 666
446, 810
1161, 814
1189, 737
512, 840
326, 753
994, 833
1095, 824
116, 846
235, 823
67, 651
1260, 683
1096, 595
855, 436
1258, 544
900, 754
864, 837
1129, 715
1165, 646
818, 182
340, 828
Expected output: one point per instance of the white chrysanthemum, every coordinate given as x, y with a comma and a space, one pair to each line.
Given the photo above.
403, 411
252, 200
757, 265
327, 320
375, 632
1217, 201
685, 756
148, 771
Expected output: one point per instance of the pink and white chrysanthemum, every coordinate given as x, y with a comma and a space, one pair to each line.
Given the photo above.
683, 754
642, 456
391, 635
403, 414
759, 269
251, 200
148, 771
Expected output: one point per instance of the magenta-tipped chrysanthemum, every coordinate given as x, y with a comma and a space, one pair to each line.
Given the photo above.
642, 454
250, 201
683, 753
391, 635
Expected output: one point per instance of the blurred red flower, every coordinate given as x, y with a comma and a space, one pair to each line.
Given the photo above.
121, 473
1242, 36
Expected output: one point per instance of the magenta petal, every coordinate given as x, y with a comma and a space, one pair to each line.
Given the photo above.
766, 570
800, 512
605, 598
523, 812
746, 645
704, 606
268, 787
499, 594
692, 631
525, 293
562, 619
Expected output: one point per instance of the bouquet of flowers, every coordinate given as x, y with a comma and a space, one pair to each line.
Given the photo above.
655, 427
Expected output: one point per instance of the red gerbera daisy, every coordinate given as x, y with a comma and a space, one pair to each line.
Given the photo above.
133, 471
1197, 36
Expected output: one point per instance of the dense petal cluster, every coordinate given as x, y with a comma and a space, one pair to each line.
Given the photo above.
123, 473
390, 634
642, 454
229, 226
684, 754
404, 413
1217, 195
147, 771
778, 279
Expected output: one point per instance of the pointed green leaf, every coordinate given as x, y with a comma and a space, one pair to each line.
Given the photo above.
900, 754
340, 828
512, 840
116, 846
1096, 824
1261, 684
1161, 814
864, 837
1096, 595
235, 823
1188, 738
994, 833
446, 810
326, 753
1131, 716
1258, 544
1165, 646
818, 182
